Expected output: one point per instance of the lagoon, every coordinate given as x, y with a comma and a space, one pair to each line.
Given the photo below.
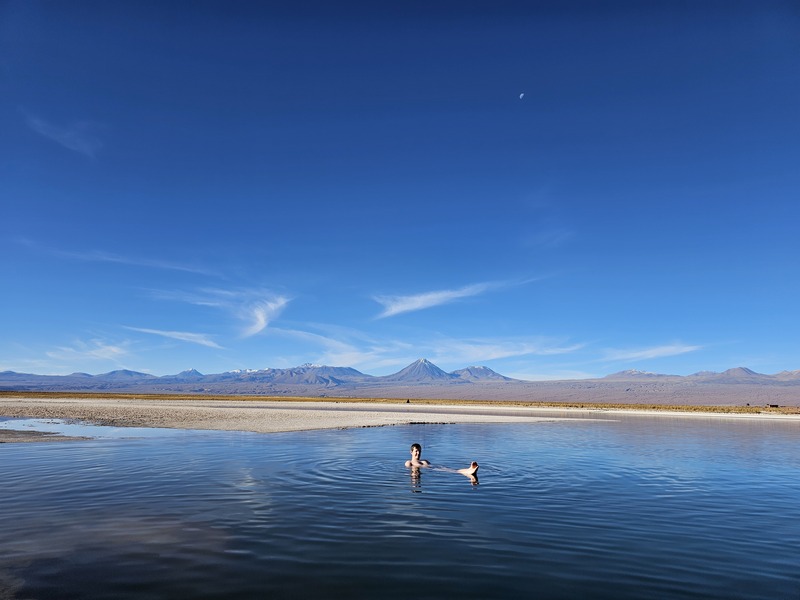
621, 507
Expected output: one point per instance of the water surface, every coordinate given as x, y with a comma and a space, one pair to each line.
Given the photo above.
631, 508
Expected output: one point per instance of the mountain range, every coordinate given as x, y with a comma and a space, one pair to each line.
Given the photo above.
422, 375
419, 372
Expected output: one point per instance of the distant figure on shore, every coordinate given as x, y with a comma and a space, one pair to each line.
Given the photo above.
417, 461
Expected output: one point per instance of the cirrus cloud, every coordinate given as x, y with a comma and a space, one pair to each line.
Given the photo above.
183, 336
647, 353
95, 349
78, 136
395, 305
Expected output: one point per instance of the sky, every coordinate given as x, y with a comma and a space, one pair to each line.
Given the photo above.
552, 189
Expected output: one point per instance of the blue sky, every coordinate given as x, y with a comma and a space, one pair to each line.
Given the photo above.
550, 189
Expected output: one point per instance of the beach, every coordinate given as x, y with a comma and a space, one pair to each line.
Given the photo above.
273, 416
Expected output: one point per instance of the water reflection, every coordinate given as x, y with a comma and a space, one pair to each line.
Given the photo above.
416, 480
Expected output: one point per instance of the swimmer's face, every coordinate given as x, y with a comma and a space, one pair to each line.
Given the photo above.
415, 452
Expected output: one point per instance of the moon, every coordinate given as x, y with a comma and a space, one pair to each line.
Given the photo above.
521, 95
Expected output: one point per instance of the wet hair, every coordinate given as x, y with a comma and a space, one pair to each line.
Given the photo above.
417, 446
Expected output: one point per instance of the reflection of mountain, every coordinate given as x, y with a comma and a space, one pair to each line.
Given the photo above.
423, 379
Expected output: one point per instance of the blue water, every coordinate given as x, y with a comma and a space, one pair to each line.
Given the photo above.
632, 508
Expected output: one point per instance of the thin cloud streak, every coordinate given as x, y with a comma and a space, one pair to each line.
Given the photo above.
183, 336
395, 305
648, 353
93, 350
476, 351
109, 257
78, 136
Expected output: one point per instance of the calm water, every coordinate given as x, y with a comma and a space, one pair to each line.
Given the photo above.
637, 508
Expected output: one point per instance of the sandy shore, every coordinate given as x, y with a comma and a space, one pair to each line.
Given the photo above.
256, 416
279, 416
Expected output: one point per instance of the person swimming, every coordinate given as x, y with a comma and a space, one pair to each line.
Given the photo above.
417, 461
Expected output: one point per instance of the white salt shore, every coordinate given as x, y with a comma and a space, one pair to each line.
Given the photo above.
265, 416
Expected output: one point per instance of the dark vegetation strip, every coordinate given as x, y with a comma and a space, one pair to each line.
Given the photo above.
696, 408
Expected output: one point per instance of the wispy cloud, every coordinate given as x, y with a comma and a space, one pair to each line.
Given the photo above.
108, 257
102, 256
482, 350
395, 305
79, 136
257, 308
201, 339
553, 237
260, 312
647, 353
94, 349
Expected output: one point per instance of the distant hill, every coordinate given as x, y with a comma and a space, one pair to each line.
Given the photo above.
635, 374
124, 375
480, 374
736, 375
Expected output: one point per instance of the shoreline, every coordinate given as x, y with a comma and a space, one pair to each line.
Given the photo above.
271, 415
